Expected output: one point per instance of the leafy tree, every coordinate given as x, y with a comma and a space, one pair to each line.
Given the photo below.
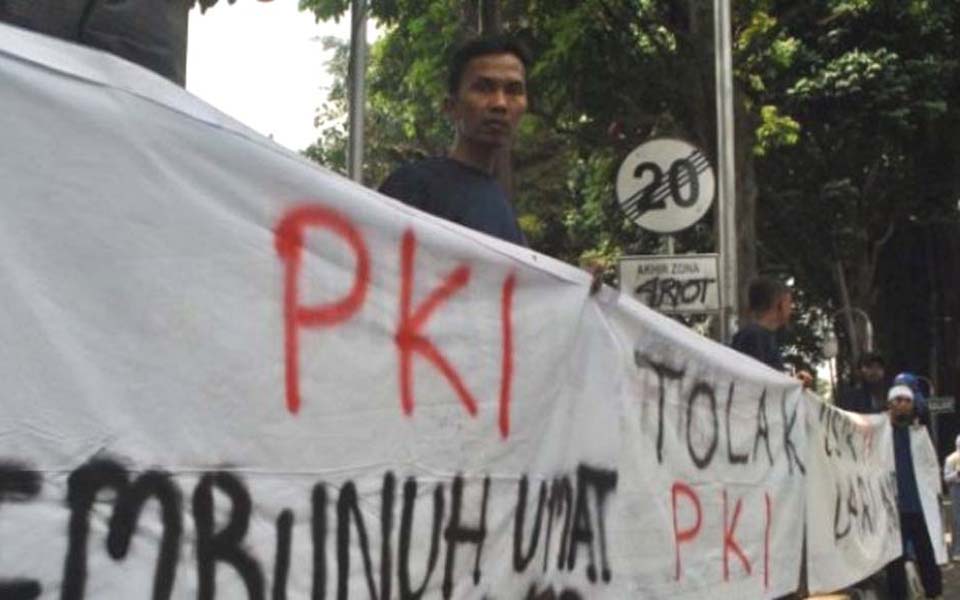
867, 87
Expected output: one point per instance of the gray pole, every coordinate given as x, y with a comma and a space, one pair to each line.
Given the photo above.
357, 75
727, 188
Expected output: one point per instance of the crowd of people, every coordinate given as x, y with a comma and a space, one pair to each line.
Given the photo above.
903, 399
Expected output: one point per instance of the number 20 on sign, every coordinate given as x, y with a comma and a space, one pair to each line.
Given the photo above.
665, 185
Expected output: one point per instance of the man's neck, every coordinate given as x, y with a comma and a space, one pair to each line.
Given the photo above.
901, 421
768, 322
482, 158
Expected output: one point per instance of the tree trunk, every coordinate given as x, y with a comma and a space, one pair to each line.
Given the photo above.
469, 19
491, 17
491, 23
746, 193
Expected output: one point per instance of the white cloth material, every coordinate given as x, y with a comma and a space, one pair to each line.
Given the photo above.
898, 391
332, 394
951, 469
852, 520
951, 475
927, 469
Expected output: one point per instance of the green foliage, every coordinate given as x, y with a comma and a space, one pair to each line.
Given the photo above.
775, 130
870, 88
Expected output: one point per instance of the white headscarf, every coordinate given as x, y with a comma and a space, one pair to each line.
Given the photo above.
899, 390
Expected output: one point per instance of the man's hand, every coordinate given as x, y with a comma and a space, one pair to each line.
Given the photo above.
805, 378
596, 269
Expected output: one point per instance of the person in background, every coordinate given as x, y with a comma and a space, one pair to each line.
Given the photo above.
869, 395
914, 529
771, 306
151, 33
951, 475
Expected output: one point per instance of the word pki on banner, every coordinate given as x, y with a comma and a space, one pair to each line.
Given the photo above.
409, 337
688, 530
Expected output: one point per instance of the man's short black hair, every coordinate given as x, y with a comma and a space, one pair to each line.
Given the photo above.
482, 46
764, 292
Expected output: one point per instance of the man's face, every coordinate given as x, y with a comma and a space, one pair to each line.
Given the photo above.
490, 101
784, 308
901, 408
872, 372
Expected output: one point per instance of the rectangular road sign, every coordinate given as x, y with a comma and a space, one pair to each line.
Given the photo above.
679, 283
941, 404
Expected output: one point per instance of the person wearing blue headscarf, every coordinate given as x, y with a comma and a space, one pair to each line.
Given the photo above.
914, 484
919, 397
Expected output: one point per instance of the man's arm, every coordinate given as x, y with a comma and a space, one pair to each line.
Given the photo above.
950, 474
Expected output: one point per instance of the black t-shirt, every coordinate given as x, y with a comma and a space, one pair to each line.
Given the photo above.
457, 192
863, 399
760, 343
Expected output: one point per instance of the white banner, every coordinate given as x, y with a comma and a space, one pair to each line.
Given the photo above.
926, 468
230, 373
853, 527
712, 473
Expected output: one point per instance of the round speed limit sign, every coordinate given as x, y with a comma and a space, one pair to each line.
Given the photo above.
665, 185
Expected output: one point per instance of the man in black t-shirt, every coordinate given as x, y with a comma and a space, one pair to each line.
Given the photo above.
759, 342
486, 96
868, 396
458, 192
771, 304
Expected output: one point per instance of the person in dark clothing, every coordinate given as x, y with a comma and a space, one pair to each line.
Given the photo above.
486, 96
869, 395
457, 192
771, 304
913, 527
151, 33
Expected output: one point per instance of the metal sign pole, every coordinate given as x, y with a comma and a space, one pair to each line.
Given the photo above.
357, 76
726, 190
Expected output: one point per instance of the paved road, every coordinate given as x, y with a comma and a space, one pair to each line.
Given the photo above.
877, 589
951, 581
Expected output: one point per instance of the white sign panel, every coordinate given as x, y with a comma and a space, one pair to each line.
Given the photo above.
232, 374
665, 185
941, 404
672, 284
853, 527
